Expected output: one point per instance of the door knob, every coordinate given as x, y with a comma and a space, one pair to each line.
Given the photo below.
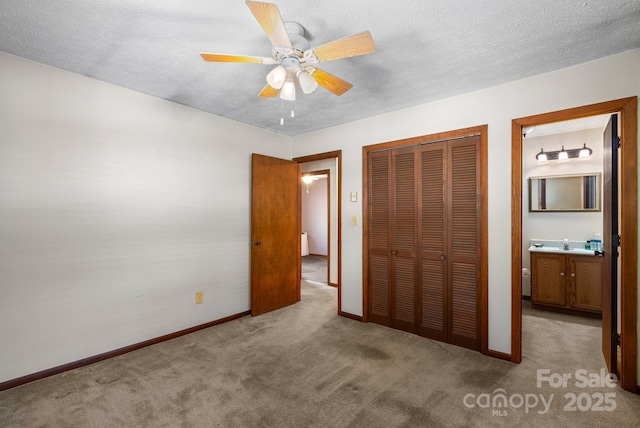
561, 273
573, 275
394, 252
442, 257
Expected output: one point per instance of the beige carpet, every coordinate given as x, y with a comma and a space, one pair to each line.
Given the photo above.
303, 366
314, 268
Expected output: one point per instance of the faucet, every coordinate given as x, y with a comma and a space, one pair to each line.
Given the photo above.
565, 245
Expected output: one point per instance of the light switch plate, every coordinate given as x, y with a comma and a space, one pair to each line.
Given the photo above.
354, 196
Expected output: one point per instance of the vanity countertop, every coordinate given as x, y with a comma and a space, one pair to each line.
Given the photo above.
555, 246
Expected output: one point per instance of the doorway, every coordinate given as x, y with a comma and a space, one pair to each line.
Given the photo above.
316, 225
331, 164
628, 226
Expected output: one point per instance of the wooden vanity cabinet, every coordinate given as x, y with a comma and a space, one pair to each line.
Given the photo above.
567, 281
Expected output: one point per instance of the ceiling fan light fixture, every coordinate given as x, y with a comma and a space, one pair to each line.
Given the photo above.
307, 83
277, 77
288, 92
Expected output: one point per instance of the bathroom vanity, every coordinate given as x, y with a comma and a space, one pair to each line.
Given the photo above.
569, 279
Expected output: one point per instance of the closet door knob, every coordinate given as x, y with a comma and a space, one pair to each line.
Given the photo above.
573, 275
442, 257
394, 252
561, 273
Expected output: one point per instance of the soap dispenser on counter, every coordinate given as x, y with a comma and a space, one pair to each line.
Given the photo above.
596, 243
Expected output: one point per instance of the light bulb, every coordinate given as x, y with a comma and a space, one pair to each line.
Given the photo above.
541, 157
563, 156
288, 92
585, 153
307, 83
277, 77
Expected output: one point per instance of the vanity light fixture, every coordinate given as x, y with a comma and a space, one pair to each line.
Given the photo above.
563, 155
585, 153
542, 157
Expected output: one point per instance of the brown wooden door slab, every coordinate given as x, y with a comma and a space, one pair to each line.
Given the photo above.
610, 221
275, 234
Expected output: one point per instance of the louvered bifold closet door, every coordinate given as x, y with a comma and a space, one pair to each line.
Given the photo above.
403, 244
379, 237
433, 243
464, 241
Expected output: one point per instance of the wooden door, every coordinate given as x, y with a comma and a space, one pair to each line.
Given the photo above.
463, 211
275, 234
392, 238
403, 242
548, 280
379, 241
433, 293
610, 245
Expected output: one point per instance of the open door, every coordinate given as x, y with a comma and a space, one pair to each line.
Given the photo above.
611, 242
275, 234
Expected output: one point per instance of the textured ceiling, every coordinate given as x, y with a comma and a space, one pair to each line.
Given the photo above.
426, 50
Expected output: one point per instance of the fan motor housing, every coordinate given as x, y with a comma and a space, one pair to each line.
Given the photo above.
296, 35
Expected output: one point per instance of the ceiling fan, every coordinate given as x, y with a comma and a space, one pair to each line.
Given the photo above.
294, 58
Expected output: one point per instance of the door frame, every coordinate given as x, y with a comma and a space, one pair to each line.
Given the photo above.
483, 294
628, 110
337, 154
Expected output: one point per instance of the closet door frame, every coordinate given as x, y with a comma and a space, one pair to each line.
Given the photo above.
483, 304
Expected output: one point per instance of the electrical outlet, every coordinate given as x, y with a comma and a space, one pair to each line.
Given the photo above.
199, 297
354, 220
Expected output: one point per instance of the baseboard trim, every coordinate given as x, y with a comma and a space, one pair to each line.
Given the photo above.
499, 355
350, 316
526, 297
110, 354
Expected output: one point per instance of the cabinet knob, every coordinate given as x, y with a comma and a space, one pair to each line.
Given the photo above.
573, 275
561, 273
394, 252
442, 257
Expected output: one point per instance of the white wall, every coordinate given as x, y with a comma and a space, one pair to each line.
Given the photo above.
115, 208
602, 80
575, 226
315, 216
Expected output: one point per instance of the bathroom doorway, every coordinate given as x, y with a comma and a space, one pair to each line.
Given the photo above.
628, 228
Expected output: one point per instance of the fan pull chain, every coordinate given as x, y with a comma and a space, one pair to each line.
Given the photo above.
293, 113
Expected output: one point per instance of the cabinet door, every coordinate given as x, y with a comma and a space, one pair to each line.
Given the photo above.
586, 282
548, 279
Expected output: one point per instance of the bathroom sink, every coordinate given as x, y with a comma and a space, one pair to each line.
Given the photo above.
558, 250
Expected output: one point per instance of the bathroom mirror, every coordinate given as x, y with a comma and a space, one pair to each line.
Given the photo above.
580, 192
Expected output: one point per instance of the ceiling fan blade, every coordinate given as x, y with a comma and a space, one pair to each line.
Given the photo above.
236, 58
269, 18
358, 44
269, 91
330, 82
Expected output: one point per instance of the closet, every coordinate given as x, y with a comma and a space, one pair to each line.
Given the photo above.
424, 239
